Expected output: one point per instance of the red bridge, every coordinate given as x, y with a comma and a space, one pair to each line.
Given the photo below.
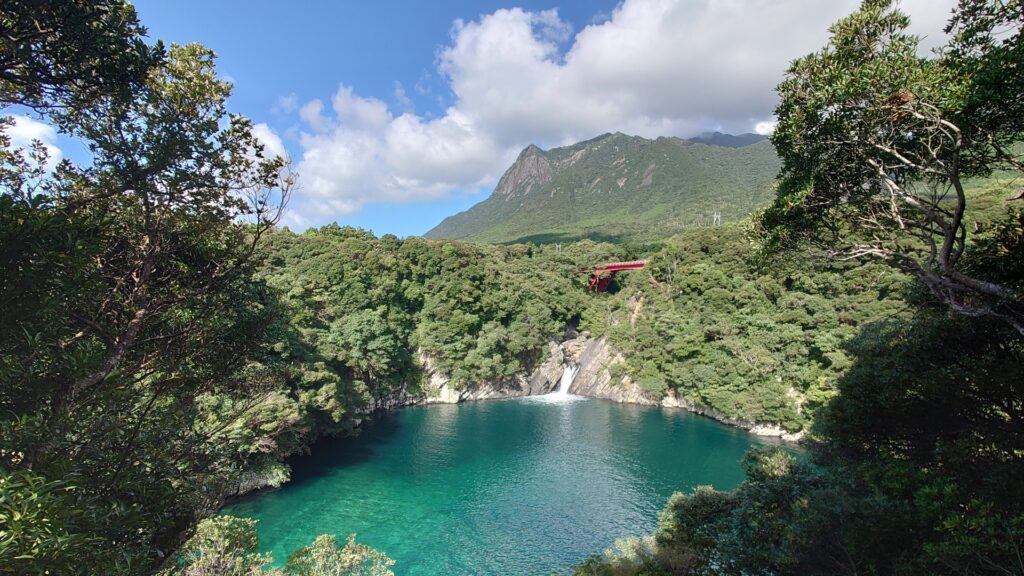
604, 273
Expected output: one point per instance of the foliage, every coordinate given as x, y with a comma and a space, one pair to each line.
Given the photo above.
915, 469
221, 546
915, 462
70, 53
228, 546
162, 346
705, 323
40, 530
363, 305
326, 558
714, 327
128, 301
878, 145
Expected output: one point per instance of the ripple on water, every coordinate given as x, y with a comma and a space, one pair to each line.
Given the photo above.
526, 487
553, 398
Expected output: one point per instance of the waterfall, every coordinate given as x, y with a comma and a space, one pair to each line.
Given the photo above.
568, 375
561, 394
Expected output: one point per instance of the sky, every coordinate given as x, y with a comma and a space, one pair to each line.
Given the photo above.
398, 114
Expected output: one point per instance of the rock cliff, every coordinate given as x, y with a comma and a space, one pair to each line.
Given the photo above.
595, 358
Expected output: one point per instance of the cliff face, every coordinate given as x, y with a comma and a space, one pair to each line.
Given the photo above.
595, 358
437, 388
531, 170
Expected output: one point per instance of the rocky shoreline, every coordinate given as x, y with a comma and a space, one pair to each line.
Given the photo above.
594, 357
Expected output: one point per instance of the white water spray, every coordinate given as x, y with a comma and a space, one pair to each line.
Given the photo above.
568, 375
561, 394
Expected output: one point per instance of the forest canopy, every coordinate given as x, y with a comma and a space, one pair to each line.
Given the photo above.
165, 345
914, 463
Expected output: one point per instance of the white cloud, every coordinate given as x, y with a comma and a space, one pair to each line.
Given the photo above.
287, 103
766, 127
272, 145
312, 114
366, 114
652, 67
401, 98
928, 19
25, 129
365, 154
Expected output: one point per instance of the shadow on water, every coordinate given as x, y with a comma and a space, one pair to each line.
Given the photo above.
332, 452
516, 487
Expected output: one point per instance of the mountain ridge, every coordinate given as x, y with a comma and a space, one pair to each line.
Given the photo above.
617, 187
728, 140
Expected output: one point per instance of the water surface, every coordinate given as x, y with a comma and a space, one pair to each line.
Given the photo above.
523, 486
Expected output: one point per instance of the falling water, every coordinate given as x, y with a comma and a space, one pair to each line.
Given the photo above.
561, 394
568, 375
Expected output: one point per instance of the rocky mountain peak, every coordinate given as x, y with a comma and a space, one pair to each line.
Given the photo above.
531, 170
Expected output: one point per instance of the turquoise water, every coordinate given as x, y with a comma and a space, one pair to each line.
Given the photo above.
507, 487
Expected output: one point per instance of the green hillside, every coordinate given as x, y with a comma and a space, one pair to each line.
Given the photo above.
618, 188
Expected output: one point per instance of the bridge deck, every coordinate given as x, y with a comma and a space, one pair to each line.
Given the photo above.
603, 273
617, 266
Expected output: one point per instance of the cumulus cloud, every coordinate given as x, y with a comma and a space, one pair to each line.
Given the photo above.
312, 114
652, 68
363, 153
272, 144
25, 129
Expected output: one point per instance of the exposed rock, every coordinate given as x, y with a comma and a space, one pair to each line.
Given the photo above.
776, 432
531, 170
595, 359
648, 176
437, 388
271, 476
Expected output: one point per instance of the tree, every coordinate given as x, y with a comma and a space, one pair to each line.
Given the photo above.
228, 546
222, 546
67, 53
128, 297
878, 145
325, 557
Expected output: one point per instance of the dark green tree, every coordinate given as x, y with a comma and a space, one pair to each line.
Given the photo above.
68, 53
127, 300
878, 144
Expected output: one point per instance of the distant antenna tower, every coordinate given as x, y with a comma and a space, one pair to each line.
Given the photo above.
717, 219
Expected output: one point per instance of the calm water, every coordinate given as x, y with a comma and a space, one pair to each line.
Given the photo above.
508, 487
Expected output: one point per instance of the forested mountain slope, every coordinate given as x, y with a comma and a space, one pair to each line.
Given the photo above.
161, 341
728, 140
618, 188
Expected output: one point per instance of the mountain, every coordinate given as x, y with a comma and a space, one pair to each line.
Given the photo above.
728, 140
618, 188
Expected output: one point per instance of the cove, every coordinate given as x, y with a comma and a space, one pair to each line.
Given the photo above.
527, 486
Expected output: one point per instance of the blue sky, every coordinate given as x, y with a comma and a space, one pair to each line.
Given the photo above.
274, 49
397, 114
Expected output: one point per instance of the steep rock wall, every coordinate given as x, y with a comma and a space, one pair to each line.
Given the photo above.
595, 358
